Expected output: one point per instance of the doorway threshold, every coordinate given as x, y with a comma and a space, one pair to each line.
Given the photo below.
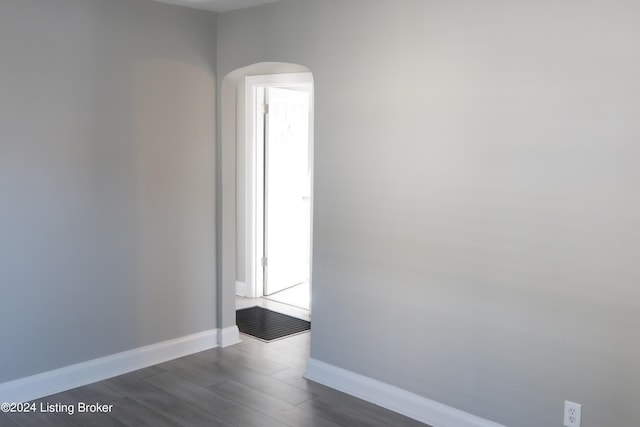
297, 296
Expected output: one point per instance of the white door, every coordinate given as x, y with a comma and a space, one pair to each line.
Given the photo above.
287, 213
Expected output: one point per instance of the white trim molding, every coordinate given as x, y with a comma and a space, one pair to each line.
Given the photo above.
229, 336
393, 398
68, 377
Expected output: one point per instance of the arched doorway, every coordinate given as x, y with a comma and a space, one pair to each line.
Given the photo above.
238, 232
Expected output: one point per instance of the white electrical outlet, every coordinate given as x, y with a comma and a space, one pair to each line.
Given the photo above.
572, 414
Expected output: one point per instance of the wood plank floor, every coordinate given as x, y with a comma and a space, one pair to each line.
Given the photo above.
249, 384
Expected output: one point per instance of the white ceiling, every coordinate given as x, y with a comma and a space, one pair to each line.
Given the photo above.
217, 5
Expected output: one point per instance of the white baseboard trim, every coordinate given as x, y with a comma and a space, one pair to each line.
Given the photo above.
229, 336
393, 398
68, 377
241, 289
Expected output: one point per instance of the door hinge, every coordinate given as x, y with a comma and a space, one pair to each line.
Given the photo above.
265, 108
263, 261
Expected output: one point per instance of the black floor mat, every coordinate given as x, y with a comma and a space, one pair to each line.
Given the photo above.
268, 325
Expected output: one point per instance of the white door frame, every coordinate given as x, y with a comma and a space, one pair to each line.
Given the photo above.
253, 171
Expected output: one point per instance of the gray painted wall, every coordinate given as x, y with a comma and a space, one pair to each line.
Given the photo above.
477, 204
107, 214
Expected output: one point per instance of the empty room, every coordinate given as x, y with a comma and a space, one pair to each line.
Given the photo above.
467, 179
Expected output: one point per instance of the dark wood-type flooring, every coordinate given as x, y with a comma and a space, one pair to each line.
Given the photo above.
249, 384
